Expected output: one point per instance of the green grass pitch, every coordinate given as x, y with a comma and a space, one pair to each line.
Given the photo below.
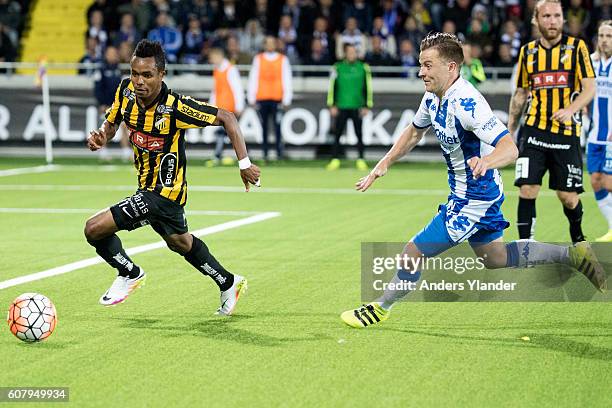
286, 345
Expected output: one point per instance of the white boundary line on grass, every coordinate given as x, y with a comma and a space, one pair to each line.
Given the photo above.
237, 189
27, 170
16, 210
135, 250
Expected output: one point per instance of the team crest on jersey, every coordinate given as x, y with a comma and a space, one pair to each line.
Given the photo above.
161, 123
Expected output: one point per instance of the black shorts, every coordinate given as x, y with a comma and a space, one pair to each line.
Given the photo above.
560, 155
144, 208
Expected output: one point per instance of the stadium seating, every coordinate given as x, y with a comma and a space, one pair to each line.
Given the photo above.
56, 31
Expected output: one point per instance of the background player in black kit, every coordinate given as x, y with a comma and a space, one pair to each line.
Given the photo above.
156, 119
557, 73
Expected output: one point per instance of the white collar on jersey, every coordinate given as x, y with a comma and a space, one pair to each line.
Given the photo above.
453, 88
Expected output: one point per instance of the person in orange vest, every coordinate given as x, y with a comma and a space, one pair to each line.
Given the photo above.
227, 93
270, 84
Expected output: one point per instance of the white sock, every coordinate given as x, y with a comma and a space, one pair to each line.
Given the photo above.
605, 206
397, 288
526, 252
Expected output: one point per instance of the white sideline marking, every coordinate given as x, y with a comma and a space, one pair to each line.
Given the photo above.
91, 211
26, 170
237, 189
135, 250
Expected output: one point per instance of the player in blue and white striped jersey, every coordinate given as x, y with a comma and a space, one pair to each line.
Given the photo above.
599, 147
474, 143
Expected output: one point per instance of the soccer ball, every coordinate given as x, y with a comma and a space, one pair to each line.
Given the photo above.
32, 317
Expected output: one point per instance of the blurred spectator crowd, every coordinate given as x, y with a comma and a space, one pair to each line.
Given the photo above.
12, 21
312, 32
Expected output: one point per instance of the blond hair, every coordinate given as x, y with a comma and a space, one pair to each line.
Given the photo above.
536, 8
597, 54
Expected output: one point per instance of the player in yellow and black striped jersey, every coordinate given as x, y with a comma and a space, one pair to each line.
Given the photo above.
156, 119
554, 78
157, 136
556, 73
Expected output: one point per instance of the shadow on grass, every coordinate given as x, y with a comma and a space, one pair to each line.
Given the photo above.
49, 344
218, 328
554, 342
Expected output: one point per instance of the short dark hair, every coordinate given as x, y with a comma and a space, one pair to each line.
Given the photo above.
448, 46
147, 49
347, 45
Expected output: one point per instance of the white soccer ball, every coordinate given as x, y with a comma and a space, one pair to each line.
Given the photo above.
32, 317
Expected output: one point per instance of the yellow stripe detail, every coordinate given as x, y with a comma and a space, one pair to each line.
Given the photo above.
556, 95
145, 169
543, 112
148, 122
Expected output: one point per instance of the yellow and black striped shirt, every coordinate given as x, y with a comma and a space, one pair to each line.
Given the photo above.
157, 135
553, 77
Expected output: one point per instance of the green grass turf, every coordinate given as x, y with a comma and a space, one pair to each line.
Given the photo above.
286, 345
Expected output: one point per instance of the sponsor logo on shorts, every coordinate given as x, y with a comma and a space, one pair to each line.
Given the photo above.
571, 169
532, 140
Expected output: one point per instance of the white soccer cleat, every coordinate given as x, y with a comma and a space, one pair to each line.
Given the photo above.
121, 289
229, 298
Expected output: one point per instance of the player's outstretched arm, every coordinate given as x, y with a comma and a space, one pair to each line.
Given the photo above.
517, 106
249, 172
98, 138
406, 142
505, 152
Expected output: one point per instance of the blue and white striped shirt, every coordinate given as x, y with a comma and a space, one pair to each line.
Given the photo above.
600, 131
465, 127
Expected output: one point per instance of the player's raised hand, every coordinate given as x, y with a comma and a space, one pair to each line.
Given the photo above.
365, 182
478, 165
96, 140
563, 115
250, 176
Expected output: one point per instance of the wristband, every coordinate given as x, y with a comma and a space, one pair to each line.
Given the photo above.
244, 163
